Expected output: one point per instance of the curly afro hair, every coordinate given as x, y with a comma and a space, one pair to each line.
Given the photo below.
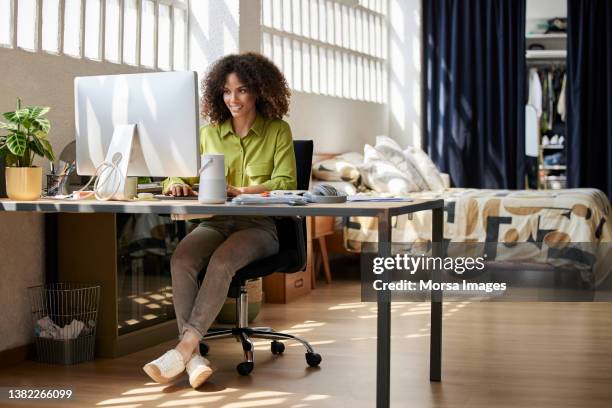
258, 74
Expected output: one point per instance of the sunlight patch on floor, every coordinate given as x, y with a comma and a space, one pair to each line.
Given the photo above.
158, 388
260, 403
265, 394
313, 343
192, 401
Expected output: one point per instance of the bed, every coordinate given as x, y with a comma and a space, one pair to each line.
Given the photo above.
555, 218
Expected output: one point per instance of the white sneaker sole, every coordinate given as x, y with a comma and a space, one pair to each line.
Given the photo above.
153, 371
198, 377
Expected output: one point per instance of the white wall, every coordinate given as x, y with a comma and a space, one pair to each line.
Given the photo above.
405, 71
22, 255
546, 8
336, 125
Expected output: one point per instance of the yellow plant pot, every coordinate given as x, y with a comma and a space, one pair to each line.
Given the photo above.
23, 183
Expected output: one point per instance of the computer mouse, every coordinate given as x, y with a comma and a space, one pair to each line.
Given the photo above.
325, 194
326, 190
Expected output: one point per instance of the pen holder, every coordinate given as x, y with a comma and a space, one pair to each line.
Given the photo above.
56, 184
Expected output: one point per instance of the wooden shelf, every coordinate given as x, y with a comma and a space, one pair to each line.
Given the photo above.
553, 167
555, 36
546, 54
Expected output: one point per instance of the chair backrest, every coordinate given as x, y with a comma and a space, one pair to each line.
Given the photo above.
303, 160
292, 231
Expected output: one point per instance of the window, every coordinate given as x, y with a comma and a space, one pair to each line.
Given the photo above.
26, 24
50, 26
130, 32
329, 47
72, 27
6, 26
93, 10
151, 33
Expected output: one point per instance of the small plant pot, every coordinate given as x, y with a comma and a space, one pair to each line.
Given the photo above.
23, 183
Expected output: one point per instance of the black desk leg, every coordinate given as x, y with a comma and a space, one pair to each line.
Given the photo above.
383, 342
435, 345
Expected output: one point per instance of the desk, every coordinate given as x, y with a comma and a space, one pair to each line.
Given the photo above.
383, 211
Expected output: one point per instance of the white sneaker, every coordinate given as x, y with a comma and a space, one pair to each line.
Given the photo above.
554, 140
166, 367
198, 369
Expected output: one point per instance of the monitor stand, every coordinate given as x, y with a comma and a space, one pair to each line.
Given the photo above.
113, 183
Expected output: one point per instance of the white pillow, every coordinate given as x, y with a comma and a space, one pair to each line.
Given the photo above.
425, 167
383, 176
355, 158
392, 152
336, 169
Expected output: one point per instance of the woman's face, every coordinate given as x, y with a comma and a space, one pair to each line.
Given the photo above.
237, 97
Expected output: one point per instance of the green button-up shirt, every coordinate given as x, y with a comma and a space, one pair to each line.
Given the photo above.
264, 156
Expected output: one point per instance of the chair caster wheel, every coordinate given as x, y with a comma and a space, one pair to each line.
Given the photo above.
245, 368
277, 347
313, 359
203, 349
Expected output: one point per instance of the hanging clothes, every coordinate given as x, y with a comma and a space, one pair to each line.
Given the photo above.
561, 103
551, 101
544, 119
535, 91
552, 98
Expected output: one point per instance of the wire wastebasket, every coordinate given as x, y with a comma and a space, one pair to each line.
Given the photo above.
65, 317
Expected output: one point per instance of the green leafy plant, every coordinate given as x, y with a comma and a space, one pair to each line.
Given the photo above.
26, 137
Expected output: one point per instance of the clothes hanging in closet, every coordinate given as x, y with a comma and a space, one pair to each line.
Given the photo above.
535, 91
561, 104
547, 95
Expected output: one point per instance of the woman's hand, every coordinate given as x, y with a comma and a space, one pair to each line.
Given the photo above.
234, 191
179, 190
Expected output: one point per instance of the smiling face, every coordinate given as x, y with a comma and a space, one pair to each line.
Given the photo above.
237, 97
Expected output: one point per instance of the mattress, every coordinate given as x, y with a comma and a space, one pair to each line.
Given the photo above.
550, 217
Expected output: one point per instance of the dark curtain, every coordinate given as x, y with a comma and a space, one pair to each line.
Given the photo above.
589, 94
474, 90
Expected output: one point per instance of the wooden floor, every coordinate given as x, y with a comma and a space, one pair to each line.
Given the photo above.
494, 355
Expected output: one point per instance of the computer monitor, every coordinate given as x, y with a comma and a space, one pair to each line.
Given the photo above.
159, 109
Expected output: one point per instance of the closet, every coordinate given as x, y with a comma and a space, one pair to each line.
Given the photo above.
545, 128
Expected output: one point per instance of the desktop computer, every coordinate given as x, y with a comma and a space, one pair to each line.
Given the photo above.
136, 125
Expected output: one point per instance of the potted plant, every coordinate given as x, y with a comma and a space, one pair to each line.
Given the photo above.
26, 138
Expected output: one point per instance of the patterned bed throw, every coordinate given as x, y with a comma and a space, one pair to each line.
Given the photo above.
552, 217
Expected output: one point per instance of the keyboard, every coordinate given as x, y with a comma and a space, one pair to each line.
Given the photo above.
173, 198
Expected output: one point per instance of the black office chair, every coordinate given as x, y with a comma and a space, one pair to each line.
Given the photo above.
290, 258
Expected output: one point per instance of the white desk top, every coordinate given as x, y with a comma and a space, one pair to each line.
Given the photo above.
194, 207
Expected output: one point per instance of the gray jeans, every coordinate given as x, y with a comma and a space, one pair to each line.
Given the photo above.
226, 244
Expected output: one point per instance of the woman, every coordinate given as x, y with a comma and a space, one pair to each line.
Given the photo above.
244, 98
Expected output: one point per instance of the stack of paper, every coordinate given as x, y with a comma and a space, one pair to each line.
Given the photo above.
277, 199
381, 197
